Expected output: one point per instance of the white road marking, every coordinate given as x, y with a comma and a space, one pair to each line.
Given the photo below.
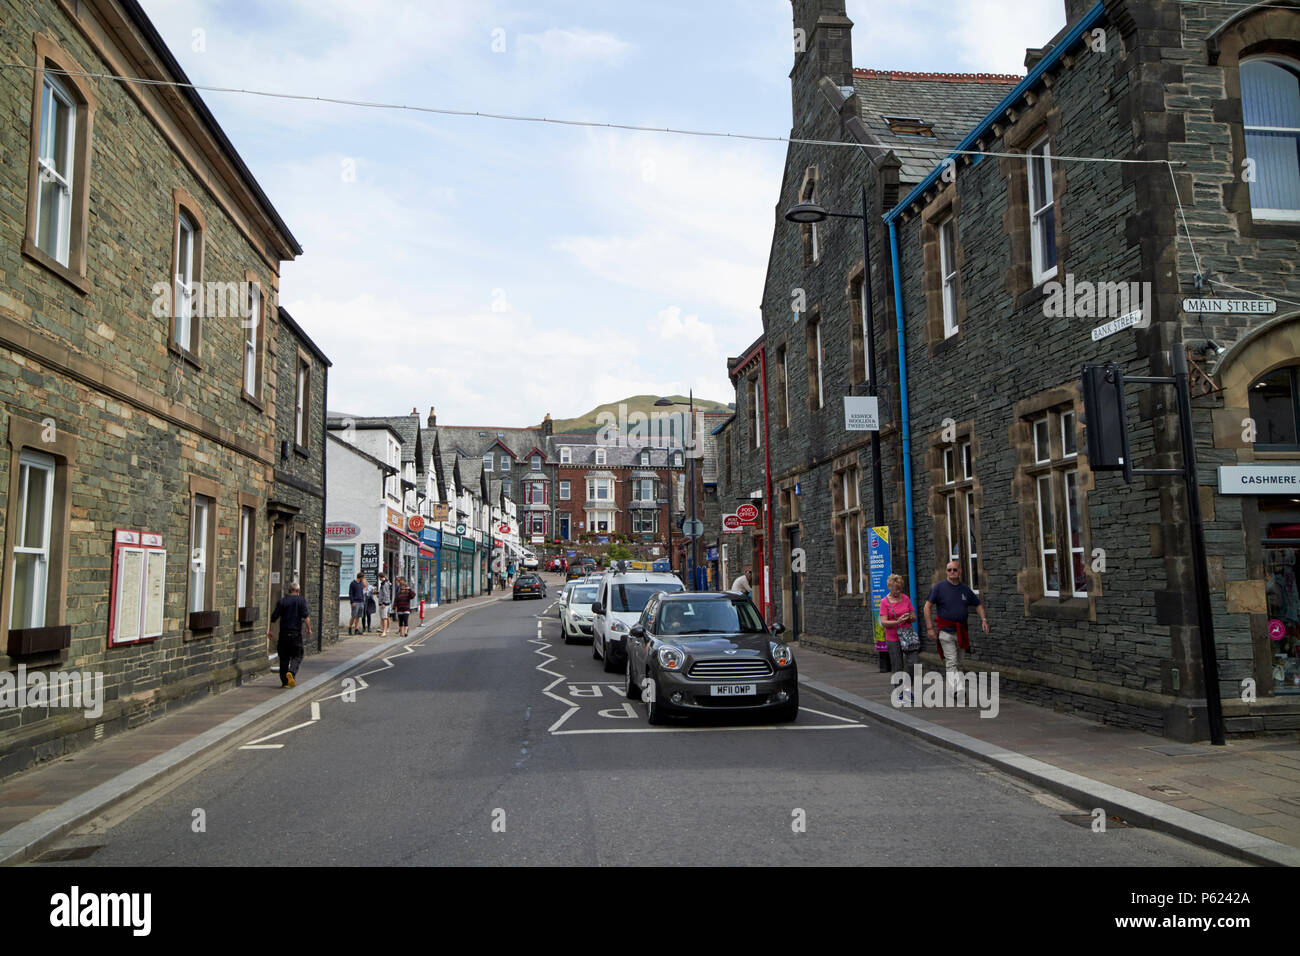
262, 747
700, 730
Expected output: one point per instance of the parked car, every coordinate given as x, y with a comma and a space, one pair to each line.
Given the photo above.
529, 585
576, 619
530, 562
576, 571
622, 597
697, 652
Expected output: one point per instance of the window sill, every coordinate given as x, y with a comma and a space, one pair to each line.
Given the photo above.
38, 255
185, 354
254, 401
1069, 609
27, 641
301, 451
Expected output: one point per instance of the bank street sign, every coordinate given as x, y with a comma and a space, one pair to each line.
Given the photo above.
861, 413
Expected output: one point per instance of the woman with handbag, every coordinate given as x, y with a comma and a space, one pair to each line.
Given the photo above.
898, 618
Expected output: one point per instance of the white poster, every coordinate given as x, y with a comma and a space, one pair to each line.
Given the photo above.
130, 577
155, 583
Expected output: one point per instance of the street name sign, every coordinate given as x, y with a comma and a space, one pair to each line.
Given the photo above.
861, 413
1126, 321
1259, 479
1231, 306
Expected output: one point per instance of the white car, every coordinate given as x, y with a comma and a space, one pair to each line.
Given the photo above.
576, 619
530, 562
622, 597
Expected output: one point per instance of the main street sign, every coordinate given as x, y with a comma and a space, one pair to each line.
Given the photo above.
1231, 306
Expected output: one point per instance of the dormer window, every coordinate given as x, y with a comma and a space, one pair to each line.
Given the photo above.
566, 456
505, 462
645, 458
536, 463
600, 456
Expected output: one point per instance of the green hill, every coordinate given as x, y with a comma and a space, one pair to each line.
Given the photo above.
588, 424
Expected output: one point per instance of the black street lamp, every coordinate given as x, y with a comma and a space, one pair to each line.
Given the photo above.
695, 538
809, 213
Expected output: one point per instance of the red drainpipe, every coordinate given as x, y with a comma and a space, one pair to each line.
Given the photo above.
769, 576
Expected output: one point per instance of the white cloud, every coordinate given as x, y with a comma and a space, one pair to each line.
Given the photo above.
574, 45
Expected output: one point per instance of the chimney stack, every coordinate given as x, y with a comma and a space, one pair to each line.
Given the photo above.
1074, 9
823, 32
433, 419
547, 426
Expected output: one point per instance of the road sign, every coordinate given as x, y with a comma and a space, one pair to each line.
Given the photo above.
692, 527
1128, 321
748, 515
1231, 306
861, 413
460, 529
731, 524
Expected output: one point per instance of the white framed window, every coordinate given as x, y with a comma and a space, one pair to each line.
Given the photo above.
847, 525
1042, 212
566, 455
34, 514
252, 329
958, 533
949, 465
185, 289
536, 462
1074, 534
783, 370
487, 462
645, 458
505, 462
505, 487
55, 169
299, 556
1068, 446
200, 515
972, 547
600, 489
564, 489
1047, 538
643, 489
866, 331
967, 462
1270, 110
600, 456
1042, 450
301, 426
242, 588
821, 393
948, 274
755, 420
677, 459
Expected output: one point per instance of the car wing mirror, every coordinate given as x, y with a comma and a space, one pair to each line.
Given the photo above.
637, 631
597, 609
778, 629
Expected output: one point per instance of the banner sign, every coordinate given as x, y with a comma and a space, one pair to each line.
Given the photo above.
370, 561
878, 568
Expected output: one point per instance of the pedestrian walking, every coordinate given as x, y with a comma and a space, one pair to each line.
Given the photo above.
898, 618
402, 606
292, 613
385, 603
357, 595
742, 583
949, 605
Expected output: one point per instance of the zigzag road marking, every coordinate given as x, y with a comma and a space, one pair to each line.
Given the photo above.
361, 681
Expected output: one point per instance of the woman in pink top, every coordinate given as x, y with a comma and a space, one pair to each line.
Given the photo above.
896, 611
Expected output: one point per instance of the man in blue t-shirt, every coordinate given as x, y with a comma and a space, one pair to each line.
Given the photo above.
953, 601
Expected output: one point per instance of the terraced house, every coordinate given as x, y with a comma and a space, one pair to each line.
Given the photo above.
145, 376
1002, 259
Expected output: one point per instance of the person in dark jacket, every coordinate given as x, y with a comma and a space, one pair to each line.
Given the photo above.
357, 595
291, 611
402, 606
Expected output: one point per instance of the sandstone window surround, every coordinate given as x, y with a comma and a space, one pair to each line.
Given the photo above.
812, 253
201, 593
1275, 410
299, 556
955, 501
816, 386
755, 419
1035, 220
859, 342
846, 523
185, 335
1262, 37
943, 257
783, 388
302, 405
1051, 487
58, 193
33, 592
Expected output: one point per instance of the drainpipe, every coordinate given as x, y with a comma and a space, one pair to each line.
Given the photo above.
904, 413
767, 493
324, 438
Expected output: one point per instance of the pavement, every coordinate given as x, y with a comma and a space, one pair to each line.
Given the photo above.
1242, 799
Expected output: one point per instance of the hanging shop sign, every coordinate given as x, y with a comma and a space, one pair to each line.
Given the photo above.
748, 515
861, 413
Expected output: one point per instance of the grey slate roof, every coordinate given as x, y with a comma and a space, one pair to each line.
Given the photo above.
953, 104
473, 440
583, 451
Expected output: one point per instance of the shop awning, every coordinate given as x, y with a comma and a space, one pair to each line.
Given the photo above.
428, 552
402, 534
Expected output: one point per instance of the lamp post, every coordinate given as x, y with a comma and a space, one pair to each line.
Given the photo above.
695, 539
809, 213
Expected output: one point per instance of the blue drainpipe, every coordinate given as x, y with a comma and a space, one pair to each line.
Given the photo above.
906, 417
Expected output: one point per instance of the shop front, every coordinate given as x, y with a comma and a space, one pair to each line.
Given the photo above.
465, 568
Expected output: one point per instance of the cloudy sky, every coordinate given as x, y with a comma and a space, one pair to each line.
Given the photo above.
502, 270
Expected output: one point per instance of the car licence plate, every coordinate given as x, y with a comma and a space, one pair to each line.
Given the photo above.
733, 690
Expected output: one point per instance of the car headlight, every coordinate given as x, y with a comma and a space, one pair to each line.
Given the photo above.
618, 627
672, 658
781, 654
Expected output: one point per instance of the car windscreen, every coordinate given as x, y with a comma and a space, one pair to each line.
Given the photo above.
527, 579
709, 617
585, 595
632, 597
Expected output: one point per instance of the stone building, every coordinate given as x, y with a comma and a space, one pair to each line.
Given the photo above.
1011, 251
140, 380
